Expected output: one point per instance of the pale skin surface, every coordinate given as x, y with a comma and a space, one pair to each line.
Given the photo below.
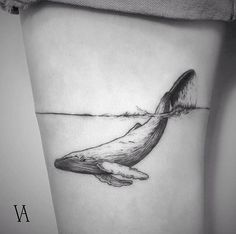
84, 61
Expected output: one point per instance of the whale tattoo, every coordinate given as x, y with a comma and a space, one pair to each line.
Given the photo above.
113, 161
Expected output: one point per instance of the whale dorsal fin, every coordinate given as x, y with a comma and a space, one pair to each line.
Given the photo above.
113, 181
137, 125
121, 170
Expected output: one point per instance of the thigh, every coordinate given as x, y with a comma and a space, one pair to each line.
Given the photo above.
96, 76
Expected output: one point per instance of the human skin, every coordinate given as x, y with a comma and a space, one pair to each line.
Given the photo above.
88, 61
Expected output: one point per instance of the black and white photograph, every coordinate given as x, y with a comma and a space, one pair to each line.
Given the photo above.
117, 116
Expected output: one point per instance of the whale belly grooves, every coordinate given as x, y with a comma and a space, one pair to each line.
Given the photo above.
112, 162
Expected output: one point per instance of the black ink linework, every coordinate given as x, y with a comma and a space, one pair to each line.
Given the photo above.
113, 161
144, 114
23, 212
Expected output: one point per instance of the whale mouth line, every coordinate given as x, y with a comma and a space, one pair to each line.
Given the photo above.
63, 158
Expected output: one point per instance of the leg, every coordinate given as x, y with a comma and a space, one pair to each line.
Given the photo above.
92, 62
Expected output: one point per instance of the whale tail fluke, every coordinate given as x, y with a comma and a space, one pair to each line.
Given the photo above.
181, 98
183, 94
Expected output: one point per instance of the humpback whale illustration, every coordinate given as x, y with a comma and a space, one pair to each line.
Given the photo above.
113, 161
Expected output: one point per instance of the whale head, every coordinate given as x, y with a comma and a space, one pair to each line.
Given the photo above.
77, 162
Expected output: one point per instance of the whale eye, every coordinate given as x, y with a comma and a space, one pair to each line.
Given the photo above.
82, 158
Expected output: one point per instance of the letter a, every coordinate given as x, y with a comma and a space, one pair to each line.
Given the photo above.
23, 212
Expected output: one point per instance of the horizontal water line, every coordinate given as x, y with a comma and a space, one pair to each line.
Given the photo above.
174, 112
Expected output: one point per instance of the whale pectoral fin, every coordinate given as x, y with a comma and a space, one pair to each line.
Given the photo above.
113, 181
137, 125
124, 171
